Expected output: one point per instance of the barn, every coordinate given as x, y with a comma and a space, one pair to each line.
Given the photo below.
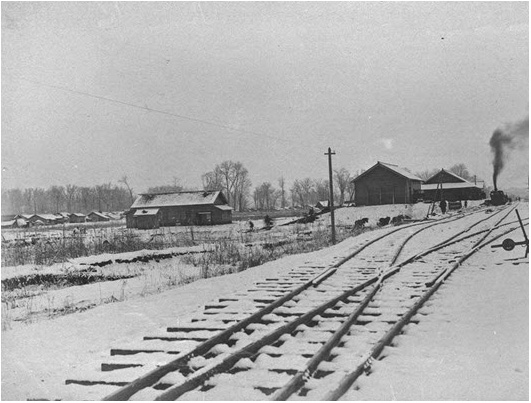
450, 186
183, 208
385, 183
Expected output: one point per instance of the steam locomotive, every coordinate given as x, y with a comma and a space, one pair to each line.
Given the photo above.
498, 198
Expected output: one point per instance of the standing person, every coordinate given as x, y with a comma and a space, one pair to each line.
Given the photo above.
251, 225
443, 205
466, 203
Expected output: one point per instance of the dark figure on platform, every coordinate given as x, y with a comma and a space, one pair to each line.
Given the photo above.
466, 203
251, 225
443, 205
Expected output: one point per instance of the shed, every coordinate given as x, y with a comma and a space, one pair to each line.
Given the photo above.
42, 219
451, 187
184, 208
77, 218
97, 216
385, 183
147, 218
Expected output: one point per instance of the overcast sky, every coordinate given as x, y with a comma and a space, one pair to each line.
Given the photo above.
94, 91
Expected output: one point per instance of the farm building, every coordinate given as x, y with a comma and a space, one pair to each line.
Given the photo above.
385, 183
97, 216
183, 208
77, 218
16, 223
451, 187
40, 219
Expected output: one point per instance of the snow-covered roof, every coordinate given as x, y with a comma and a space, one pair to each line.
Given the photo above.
78, 214
176, 199
449, 173
448, 185
395, 168
51, 217
99, 214
146, 212
223, 207
7, 223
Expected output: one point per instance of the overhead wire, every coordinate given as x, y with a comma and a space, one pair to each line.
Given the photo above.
146, 108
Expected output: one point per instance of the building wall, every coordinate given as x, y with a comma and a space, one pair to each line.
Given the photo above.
185, 215
382, 186
454, 194
148, 222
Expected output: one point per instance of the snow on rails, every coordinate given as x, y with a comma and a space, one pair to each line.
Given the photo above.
308, 334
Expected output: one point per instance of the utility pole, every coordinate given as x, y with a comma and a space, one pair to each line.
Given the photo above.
331, 197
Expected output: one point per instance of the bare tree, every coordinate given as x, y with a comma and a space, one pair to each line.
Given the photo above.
461, 170
426, 174
129, 189
282, 185
342, 177
57, 194
71, 192
233, 179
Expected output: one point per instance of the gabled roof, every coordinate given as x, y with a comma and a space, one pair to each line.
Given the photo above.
50, 217
78, 215
449, 173
192, 198
99, 214
395, 168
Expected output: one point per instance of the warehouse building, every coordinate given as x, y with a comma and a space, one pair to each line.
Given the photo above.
385, 183
450, 186
180, 208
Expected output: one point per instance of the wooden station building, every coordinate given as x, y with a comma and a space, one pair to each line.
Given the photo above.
449, 186
385, 183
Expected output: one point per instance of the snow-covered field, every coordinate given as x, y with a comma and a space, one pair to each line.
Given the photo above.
473, 345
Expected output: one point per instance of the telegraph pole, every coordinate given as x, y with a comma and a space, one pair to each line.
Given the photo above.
331, 197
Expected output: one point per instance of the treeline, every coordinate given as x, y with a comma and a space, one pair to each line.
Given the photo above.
230, 177
69, 198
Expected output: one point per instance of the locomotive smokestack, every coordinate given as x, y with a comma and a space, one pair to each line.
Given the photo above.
504, 139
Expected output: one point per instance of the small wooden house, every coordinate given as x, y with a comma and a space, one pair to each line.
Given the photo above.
385, 183
77, 218
42, 219
183, 208
97, 216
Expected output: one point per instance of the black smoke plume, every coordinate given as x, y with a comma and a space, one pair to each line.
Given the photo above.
504, 139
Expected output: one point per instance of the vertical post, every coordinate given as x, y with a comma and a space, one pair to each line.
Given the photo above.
331, 197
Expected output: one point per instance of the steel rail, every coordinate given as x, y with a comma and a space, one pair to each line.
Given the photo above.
198, 378
350, 378
300, 378
158, 373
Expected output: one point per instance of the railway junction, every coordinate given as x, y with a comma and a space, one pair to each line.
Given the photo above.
317, 331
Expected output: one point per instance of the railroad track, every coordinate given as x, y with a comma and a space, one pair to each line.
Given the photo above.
306, 335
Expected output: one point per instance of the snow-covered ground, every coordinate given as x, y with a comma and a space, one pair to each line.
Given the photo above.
473, 345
